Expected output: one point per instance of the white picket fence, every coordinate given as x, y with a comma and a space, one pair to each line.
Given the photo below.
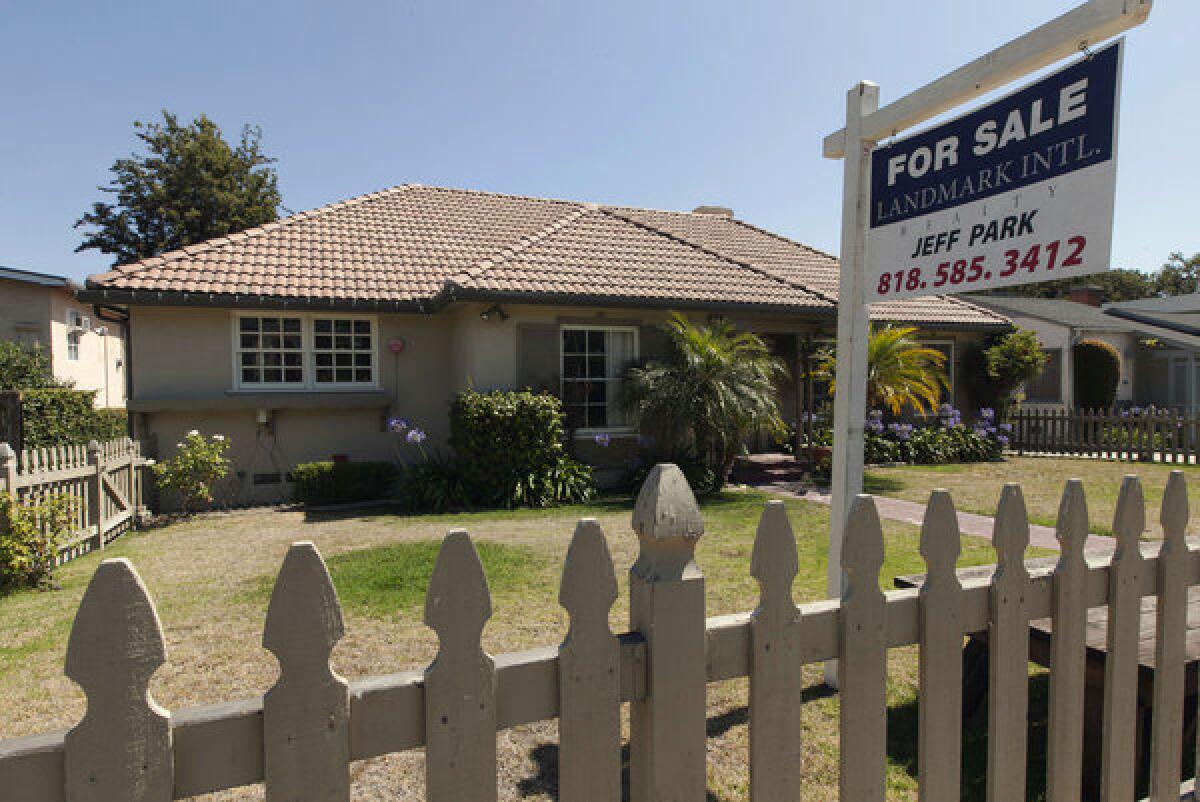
301, 736
104, 482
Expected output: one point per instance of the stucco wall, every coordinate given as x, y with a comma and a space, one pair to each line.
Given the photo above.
25, 312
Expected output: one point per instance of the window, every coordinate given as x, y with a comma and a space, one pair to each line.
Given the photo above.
1046, 387
74, 334
270, 351
290, 352
593, 361
343, 351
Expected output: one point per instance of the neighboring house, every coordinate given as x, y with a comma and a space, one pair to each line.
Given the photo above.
298, 339
1181, 314
1158, 359
86, 347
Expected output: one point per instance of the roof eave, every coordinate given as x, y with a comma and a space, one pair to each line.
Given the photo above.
128, 297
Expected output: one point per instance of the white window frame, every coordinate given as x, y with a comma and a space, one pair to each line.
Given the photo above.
562, 373
308, 361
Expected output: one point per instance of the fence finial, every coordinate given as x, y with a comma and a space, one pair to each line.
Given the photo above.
1071, 526
940, 536
1010, 533
1175, 513
668, 523
773, 562
122, 747
1129, 520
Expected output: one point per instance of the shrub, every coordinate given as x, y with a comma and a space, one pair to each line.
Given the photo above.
25, 368
1097, 372
508, 451
30, 537
316, 483
53, 416
995, 368
198, 463
433, 484
700, 477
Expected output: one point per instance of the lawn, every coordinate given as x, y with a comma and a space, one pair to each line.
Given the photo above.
211, 579
976, 488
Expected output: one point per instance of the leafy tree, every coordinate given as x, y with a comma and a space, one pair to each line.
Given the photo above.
191, 185
1008, 362
1119, 284
901, 372
25, 368
1178, 276
714, 389
1097, 373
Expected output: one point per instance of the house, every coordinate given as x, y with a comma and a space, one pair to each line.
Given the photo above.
86, 346
1179, 313
300, 338
1158, 356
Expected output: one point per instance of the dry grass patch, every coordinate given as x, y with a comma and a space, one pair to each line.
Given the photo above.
211, 576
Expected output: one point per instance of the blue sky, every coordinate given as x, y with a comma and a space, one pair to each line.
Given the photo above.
660, 104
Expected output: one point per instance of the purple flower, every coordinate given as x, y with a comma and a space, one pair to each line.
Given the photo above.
398, 425
602, 440
1002, 439
987, 413
416, 437
1005, 427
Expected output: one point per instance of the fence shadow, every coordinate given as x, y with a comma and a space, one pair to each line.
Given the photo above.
902, 743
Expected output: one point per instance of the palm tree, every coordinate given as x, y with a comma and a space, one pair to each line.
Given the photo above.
901, 373
716, 387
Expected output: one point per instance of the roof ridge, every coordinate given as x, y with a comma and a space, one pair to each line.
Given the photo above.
141, 265
613, 211
520, 246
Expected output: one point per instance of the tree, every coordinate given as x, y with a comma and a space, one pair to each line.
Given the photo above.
1097, 372
25, 368
714, 389
1119, 284
191, 185
1179, 276
901, 372
1008, 362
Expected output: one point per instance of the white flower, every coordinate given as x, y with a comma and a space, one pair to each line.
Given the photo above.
193, 433
220, 438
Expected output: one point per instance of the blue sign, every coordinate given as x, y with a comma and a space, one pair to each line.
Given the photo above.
1063, 123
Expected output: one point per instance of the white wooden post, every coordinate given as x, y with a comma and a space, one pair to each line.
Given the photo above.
8, 469
939, 727
1068, 650
776, 663
1008, 651
96, 491
1170, 653
849, 401
460, 683
306, 715
862, 715
666, 605
122, 747
589, 674
1119, 743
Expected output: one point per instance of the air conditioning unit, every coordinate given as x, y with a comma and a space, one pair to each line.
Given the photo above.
85, 323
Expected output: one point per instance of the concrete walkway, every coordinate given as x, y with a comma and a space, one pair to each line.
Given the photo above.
912, 512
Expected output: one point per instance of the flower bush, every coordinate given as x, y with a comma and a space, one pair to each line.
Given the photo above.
198, 464
30, 537
944, 440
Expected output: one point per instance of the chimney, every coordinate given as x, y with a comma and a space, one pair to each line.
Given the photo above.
715, 211
1086, 294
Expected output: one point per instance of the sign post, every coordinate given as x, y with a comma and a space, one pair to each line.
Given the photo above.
1017, 192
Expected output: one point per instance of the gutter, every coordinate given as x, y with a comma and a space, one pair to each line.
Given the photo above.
1150, 320
108, 296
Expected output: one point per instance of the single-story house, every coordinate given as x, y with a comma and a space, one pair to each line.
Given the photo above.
299, 339
1181, 314
86, 347
1158, 356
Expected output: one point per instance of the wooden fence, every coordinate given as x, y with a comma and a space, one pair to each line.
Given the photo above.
104, 481
1144, 435
301, 736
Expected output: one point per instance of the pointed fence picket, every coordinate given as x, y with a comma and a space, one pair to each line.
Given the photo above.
1143, 435
301, 737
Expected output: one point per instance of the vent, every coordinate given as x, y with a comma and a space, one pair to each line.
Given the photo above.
715, 211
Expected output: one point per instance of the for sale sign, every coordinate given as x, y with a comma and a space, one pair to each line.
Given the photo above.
1016, 192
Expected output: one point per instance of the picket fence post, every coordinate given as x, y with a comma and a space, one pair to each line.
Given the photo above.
776, 663
8, 469
589, 674
306, 715
122, 747
863, 659
460, 683
666, 605
1170, 660
96, 491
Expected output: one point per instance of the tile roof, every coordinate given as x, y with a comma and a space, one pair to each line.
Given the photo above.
1087, 318
418, 245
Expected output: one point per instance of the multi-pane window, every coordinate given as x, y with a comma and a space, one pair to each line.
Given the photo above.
270, 350
593, 362
74, 335
304, 351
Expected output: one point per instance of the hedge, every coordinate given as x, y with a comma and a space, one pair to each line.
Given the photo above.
56, 416
317, 483
1097, 367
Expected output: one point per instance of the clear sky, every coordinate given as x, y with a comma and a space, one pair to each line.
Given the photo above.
660, 104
